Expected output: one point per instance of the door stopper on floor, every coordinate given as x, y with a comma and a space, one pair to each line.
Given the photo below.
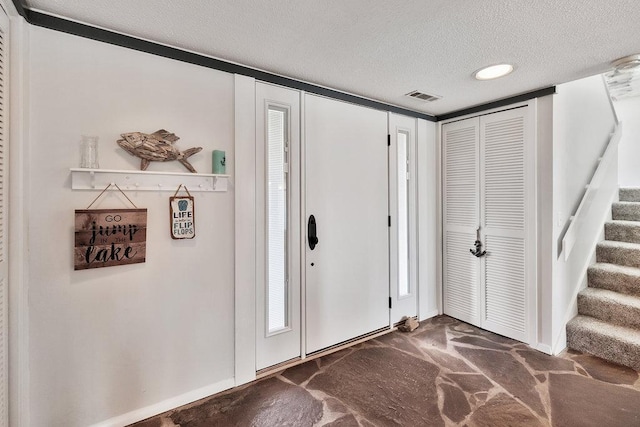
410, 323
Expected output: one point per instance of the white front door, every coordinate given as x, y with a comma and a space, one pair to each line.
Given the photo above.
278, 260
402, 203
346, 192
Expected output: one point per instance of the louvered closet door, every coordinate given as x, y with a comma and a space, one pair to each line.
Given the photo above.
504, 198
461, 270
487, 172
4, 279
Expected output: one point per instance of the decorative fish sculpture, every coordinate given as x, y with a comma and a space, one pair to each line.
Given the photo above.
156, 147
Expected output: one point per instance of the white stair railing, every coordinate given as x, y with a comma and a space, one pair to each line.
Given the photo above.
588, 208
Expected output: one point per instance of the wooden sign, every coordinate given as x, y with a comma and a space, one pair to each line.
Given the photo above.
182, 217
108, 237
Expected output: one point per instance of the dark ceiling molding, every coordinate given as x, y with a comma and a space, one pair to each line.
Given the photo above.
499, 103
106, 36
20, 8
87, 31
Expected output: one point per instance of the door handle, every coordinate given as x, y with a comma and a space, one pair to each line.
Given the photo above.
478, 252
311, 232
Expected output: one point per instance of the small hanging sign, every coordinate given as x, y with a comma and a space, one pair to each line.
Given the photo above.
182, 215
109, 237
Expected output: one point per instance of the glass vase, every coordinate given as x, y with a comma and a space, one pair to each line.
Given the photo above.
89, 152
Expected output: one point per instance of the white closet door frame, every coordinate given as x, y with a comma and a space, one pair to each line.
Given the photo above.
531, 211
406, 305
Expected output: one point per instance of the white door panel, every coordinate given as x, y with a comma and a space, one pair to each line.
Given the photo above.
278, 325
504, 196
347, 274
505, 299
462, 280
402, 203
461, 270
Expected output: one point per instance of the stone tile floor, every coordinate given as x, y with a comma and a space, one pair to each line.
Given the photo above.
445, 373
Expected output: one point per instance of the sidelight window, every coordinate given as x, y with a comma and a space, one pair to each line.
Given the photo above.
277, 212
404, 287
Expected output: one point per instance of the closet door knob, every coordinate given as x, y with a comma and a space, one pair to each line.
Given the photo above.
478, 252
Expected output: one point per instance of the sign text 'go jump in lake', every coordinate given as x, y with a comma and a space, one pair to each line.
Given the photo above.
108, 237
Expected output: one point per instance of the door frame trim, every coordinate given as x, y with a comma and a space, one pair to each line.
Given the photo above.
266, 96
532, 291
245, 229
303, 225
397, 123
429, 241
17, 159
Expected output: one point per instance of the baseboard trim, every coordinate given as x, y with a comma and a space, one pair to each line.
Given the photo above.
430, 314
561, 342
166, 405
544, 348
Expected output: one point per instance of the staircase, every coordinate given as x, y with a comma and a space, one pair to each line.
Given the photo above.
608, 321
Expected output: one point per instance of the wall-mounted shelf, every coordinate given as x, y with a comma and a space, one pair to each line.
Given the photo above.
132, 180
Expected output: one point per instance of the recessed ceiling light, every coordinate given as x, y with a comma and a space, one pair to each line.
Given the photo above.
493, 71
627, 64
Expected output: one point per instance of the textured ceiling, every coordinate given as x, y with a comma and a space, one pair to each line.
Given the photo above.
382, 49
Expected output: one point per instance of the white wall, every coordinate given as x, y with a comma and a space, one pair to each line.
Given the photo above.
629, 153
427, 166
544, 201
104, 342
583, 121
114, 345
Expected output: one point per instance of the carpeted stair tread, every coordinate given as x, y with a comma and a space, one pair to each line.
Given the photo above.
611, 342
608, 321
609, 306
613, 277
622, 231
629, 194
629, 211
622, 253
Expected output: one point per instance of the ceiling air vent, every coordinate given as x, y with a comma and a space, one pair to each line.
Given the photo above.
423, 96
